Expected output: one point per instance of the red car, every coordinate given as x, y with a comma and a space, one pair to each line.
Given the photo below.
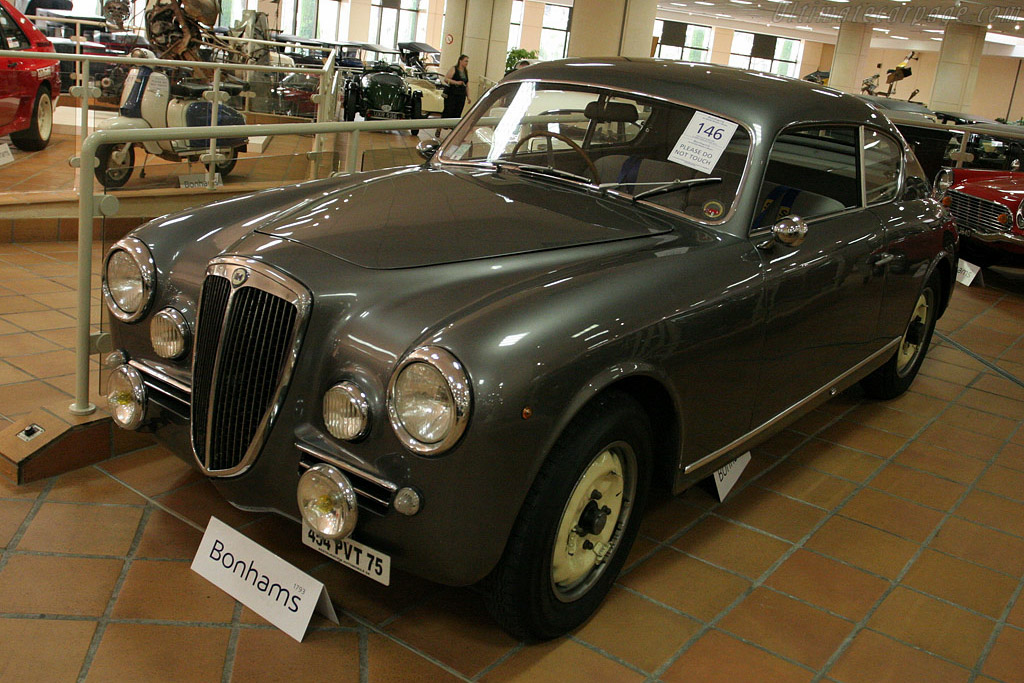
987, 206
28, 87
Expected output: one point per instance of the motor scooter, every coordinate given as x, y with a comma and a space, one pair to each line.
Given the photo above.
150, 100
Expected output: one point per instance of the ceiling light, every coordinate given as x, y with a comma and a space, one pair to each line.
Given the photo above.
787, 2
934, 30
877, 16
709, 4
1008, 17
835, 28
805, 28
937, 39
883, 30
839, 0
899, 38
787, 16
742, 2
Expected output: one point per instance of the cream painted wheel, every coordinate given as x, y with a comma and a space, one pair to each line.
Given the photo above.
592, 521
914, 336
44, 116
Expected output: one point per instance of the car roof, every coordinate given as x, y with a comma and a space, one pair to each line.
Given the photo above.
780, 101
419, 47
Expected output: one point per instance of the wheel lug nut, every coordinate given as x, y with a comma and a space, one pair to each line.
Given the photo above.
595, 495
587, 545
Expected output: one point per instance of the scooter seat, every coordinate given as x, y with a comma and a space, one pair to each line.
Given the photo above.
196, 90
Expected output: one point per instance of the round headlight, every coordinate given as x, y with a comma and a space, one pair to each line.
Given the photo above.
327, 501
346, 411
429, 401
169, 334
1020, 216
129, 279
943, 180
126, 397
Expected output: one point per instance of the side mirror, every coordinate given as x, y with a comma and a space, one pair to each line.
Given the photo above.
791, 231
427, 148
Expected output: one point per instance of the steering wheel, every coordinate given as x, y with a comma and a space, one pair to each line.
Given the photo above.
567, 140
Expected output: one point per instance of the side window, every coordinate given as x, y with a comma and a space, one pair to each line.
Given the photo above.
812, 171
14, 38
882, 157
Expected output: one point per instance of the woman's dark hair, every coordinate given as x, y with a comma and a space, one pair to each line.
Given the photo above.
459, 61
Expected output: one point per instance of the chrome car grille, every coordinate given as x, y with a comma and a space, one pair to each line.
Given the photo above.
246, 344
978, 215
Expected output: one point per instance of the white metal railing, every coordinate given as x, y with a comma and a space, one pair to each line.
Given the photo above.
1002, 131
87, 201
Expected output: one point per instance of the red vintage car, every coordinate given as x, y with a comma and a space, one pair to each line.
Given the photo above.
28, 87
987, 206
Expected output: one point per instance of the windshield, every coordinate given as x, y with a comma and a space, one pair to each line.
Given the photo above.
622, 142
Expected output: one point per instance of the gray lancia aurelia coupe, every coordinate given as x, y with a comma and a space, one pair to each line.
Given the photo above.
613, 274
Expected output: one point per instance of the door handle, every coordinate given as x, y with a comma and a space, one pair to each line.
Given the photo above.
884, 259
13, 65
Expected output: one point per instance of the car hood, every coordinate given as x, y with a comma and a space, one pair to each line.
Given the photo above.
1004, 187
421, 216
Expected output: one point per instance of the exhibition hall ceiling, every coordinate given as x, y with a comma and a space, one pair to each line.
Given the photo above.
913, 20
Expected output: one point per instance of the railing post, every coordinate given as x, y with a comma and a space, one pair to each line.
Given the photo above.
211, 171
81, 405
353, 151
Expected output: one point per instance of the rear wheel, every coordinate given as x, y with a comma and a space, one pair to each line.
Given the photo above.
351, 105
37, 135
896, 376
577, 524
416, 112
115, 164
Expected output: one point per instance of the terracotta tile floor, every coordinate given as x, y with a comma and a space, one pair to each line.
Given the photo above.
869, 542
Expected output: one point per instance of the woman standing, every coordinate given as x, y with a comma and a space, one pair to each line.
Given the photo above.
457, 81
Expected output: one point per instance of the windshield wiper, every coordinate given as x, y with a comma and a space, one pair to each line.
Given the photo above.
673, 186
543, 170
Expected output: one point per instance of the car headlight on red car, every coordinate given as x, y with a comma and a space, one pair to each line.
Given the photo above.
1020, 216
429, 400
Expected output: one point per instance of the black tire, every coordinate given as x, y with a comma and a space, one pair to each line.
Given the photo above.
524, 592
117, 175
416, 112
351, 105
37, 135
898, 373
228, 165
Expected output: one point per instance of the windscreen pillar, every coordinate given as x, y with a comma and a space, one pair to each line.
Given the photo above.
850, 62
479, 30
957, 71
605, 28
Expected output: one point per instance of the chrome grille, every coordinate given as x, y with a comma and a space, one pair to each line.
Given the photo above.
978, 215
246, 343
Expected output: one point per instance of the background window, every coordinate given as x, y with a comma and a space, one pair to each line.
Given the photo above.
765, 53
515, 28
554, 34
687, 42
393, 21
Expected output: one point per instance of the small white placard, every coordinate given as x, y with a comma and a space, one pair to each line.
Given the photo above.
6, 157
702, 143
260, 580
258, 144
726, 477
198, 180
966, 272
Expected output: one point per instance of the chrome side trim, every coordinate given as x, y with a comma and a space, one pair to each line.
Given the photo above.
146, 369
888, 348
326, 457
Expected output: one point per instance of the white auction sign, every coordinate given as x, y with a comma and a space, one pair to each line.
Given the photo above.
966, 272
702, 143
6, 157
274, 589
727, 476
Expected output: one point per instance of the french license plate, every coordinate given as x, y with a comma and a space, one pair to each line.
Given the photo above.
363, 559
378, 114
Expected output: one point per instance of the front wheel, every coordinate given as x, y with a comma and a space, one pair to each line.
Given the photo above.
898, 373
37, 135
577, 524
115, 164
228, 165
416, 112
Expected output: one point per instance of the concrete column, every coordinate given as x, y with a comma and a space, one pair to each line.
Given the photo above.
721, 45
533, 22
478, 29
435, 21
957, 71
359, 20
849, 63
612, 27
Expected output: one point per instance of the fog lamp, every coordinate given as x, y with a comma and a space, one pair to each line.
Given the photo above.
126, 397
346, 411
169, 334
327, 501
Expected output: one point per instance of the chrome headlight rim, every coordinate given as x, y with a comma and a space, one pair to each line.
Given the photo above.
1020, 216
344, 498
177, 320
138, 390
454, 375
943, 181
139, 253
357, 398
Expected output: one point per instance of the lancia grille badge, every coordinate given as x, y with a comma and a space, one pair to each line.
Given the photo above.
239, 276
